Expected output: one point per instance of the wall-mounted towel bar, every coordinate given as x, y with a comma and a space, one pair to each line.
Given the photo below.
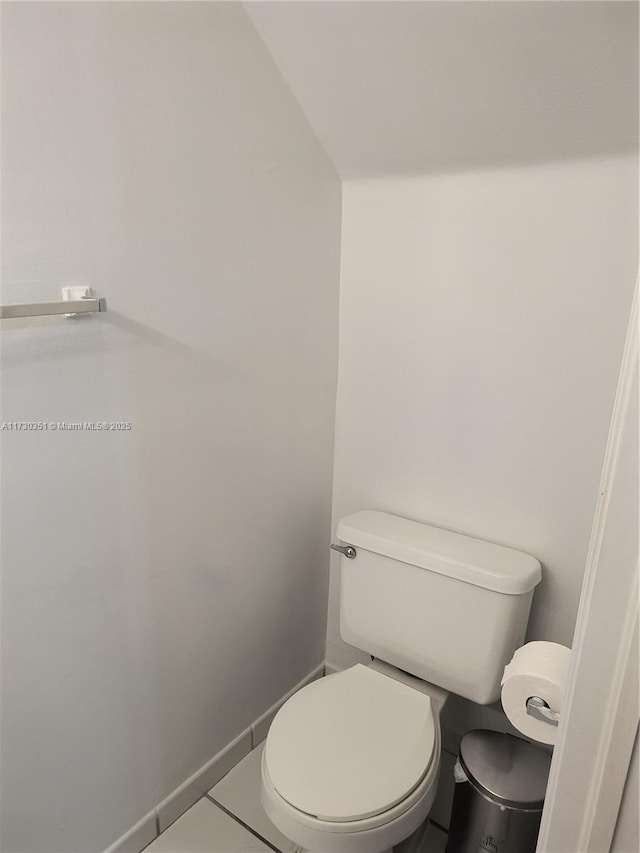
41, 309
77, 299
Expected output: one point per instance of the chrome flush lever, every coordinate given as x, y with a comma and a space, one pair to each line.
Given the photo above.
348, 550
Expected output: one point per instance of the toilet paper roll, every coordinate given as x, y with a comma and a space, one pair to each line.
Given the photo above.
537, 669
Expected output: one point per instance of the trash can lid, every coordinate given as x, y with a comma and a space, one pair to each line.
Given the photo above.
506, 769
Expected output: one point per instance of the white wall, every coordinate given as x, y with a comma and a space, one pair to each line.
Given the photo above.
482, 321
162, 586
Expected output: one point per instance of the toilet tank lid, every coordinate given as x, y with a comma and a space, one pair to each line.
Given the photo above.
456, 555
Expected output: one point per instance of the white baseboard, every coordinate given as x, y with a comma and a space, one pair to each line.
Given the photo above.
196, 786
193, 788
138, 837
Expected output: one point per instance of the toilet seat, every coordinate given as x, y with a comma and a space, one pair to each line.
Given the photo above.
351, 747
278, 808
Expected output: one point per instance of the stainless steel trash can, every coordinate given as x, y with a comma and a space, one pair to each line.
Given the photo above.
500, 786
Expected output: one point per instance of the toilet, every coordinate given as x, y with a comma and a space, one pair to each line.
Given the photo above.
351, 761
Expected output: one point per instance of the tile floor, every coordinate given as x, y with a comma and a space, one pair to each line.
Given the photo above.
230, 819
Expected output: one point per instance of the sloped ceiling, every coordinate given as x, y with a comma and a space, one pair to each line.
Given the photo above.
422, 87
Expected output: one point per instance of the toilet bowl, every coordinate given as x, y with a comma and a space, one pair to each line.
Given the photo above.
351, 761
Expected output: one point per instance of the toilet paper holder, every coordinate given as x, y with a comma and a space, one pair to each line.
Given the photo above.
540, 710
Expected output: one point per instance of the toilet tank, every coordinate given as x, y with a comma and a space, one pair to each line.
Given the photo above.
446, 607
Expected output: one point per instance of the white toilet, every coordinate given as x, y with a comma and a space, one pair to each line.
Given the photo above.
351, 761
